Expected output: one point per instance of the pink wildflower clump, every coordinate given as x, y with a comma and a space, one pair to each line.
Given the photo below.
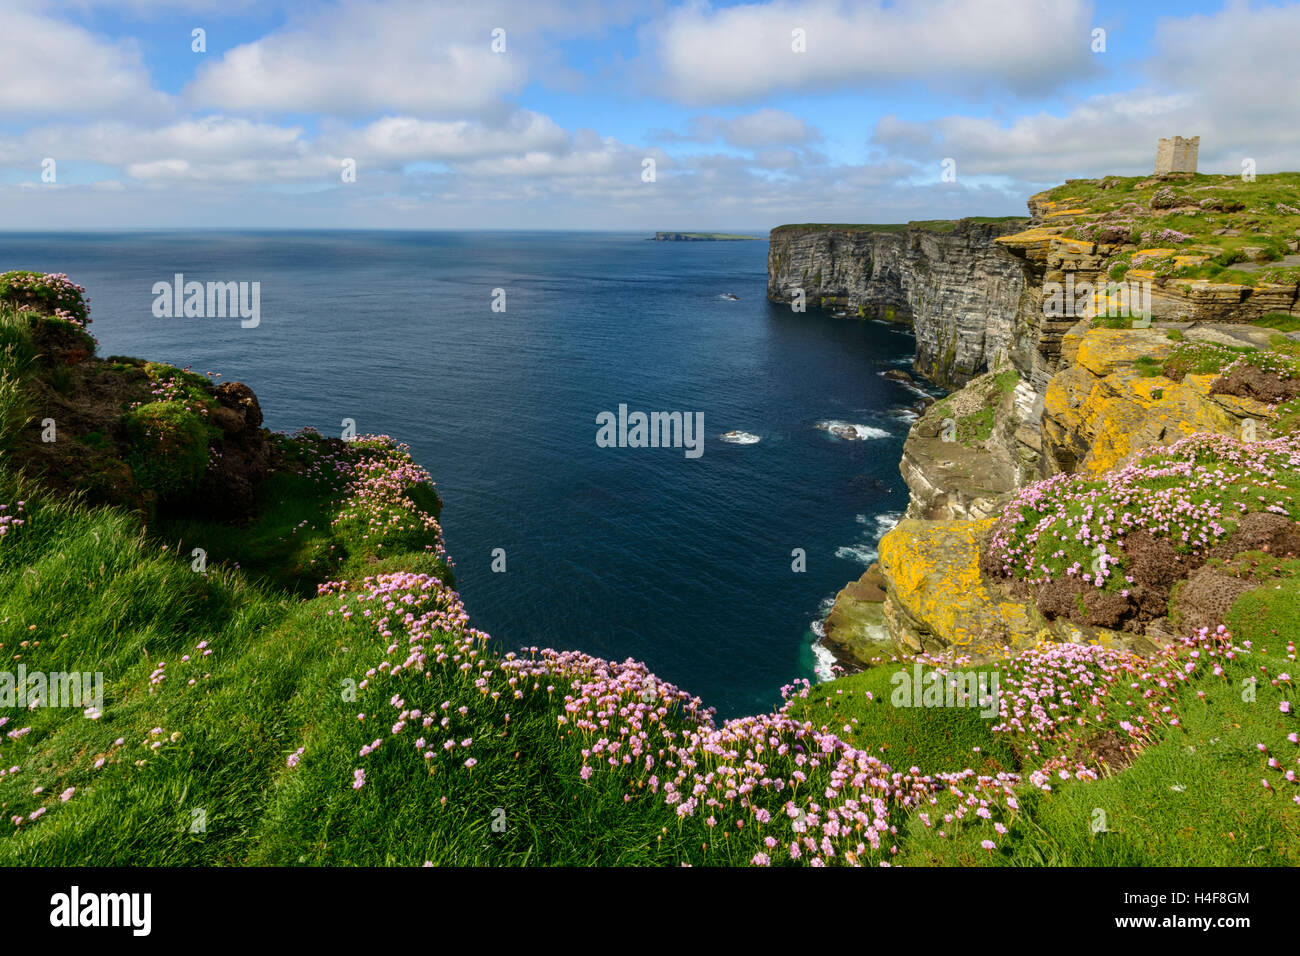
1059, 699
1190, 494
379, 474
11, 520
60, 296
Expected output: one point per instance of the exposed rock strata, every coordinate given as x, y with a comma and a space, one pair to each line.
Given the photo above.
977, 299
958, 290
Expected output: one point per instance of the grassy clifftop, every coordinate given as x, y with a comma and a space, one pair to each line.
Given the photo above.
299, 683
929, 225
1185, 225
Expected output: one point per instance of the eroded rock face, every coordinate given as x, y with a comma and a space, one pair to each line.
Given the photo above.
240, 399
855, 629
958, 290
978, 299
228, 489
971, 449
1099, 410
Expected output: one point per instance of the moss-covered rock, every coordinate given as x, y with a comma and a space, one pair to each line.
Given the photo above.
937, 599
167, 447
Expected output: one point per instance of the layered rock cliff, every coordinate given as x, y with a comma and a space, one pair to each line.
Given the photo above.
1020, 315
951, 282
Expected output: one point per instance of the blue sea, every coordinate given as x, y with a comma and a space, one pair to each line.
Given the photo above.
684, 563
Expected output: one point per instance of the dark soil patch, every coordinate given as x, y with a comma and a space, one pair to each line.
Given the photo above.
1157, 570
1264, 531
1079, 601
1112, 749
1204, 601
1246, 381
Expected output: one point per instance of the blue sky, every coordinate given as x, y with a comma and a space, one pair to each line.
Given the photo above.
753, 113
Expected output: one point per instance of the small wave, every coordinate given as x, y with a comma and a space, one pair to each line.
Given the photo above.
740, 438
863, 554
851, 432
824, 662
818, 627
915, 387
887, 521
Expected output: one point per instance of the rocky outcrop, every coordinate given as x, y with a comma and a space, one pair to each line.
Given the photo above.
971, 449
228, 489
937, 602
950, 281
1043, 393
855, 628
1100, 409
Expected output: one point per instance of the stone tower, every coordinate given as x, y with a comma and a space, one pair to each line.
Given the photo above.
1177, 155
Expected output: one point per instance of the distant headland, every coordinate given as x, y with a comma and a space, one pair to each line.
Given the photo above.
700, 237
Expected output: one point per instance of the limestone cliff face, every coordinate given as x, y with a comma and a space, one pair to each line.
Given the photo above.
1042, 393
951, 282
1100, 410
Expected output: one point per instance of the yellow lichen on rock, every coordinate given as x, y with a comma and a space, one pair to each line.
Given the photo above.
1101, 411
937, 600
1103, 351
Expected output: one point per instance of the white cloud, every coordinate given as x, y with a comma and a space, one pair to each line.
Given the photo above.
1228, 77
51, 67
407, 139
765, 127
743, 52
416, 57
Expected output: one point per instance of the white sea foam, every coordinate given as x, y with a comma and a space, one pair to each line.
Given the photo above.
861, 431
825, 660
887, 521
865, 552
740, 438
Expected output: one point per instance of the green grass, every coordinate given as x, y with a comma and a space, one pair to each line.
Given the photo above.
1196, 358
1282, 321
930, 225
1149, 367
977, 426
17, 358
859, 708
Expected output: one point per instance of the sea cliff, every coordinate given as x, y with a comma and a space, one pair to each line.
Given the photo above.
1055, 377
950, 281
